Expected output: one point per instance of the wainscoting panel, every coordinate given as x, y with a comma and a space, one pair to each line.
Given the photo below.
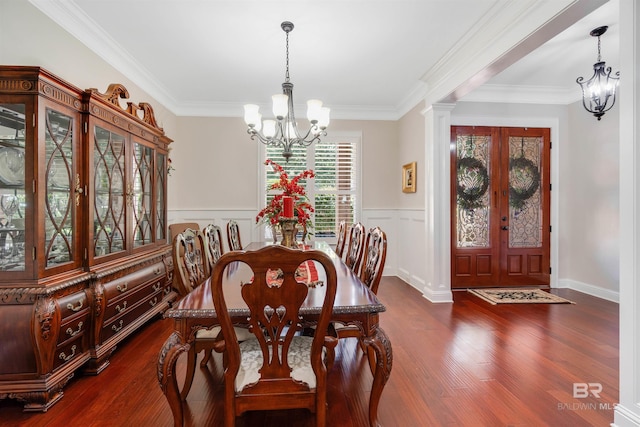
411, 251
249, 231
386, 220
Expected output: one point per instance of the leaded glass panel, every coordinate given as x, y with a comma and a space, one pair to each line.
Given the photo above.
473, 214
525, 203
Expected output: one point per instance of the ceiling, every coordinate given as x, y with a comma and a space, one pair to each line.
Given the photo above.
363, 58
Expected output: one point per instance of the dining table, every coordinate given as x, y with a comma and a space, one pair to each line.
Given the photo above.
355, 305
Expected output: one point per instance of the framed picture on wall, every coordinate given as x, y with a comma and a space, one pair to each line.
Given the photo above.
409, 178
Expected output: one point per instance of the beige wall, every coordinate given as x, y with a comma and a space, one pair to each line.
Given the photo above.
411, 137
590, 198
217, 164
28, 37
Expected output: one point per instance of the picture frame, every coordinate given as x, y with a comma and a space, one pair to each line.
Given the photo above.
409, 178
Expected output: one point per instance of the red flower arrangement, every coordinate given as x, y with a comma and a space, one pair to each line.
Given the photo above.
290, 187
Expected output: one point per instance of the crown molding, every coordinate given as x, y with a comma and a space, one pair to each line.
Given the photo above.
72, 19
523, 94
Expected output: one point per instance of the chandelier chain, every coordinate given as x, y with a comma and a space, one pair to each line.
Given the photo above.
286, 76
598, 50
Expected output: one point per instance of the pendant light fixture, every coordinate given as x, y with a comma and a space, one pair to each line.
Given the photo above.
283, 131
599, 92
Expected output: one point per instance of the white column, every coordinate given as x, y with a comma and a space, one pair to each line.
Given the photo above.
436, 184
627, 412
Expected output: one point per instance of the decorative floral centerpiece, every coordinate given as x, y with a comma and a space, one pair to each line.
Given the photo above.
274, 212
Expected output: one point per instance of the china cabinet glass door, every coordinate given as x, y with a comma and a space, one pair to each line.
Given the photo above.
63, 190
109, 213
161, 178
142, 195
12, 187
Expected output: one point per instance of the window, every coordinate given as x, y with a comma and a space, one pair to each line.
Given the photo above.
335, 191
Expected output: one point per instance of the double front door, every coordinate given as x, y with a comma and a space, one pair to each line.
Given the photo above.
500, 222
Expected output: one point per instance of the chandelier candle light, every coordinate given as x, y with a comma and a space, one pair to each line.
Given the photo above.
283, 132
601, 87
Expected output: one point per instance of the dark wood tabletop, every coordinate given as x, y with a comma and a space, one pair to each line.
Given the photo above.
351, 297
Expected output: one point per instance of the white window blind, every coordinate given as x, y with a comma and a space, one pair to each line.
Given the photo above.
334, 192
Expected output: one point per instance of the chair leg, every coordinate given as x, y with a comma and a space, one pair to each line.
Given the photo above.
191, 370
206, 358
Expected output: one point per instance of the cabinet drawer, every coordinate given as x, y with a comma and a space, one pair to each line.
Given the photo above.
73, 327
73, 304
117, 324
70, 350
129, 282
128, 300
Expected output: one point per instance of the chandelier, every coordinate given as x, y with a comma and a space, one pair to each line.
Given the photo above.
601, 87
283, 131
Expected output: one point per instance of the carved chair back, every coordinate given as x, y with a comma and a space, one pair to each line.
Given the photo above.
179, 227
356, 247
213, 238
342, 238
233, 236
264, 372
373, 260
189, 261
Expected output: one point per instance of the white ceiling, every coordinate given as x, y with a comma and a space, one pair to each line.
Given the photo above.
363, 58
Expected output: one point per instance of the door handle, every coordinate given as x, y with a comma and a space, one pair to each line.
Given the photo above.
505, 227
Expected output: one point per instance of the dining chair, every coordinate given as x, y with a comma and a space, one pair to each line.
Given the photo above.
355, 248
373, 261
213, 244
342, 238
188, 260
374, 258
233, 236
190, 269
179, 227
278, 368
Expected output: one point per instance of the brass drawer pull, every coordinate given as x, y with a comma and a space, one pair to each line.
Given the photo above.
122, 288
116, 328
69, 357
157, 271
73, 333
76, 308
153, 302
121, 309
157, 287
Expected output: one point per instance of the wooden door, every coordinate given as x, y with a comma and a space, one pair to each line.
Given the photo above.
500, 218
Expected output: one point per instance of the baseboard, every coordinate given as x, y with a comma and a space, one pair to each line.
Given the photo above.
588, 289
623, 417
437, 297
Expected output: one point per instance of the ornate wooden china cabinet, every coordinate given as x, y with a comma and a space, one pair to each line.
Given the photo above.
84, 258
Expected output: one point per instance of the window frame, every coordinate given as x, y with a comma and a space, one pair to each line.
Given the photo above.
354, 138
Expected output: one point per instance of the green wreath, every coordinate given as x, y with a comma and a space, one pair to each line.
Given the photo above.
474, 172
529, 181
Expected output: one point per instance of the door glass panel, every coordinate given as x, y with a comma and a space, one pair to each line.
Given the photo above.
161, 176
108, 183
12, 179
525, 204
473, 199
142, 192
60, 202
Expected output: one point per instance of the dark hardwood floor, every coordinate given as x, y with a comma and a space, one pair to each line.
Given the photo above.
462, 364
